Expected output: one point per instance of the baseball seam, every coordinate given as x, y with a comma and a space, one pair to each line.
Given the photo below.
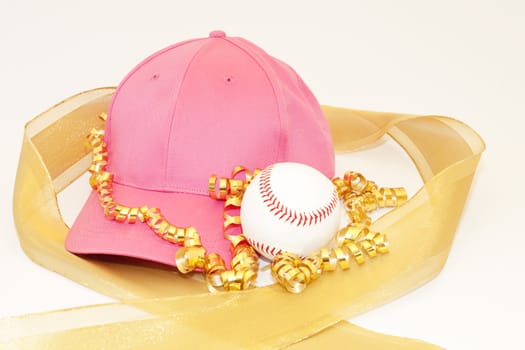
264, 248
282, 212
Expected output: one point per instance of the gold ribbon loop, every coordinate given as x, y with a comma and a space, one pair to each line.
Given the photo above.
163, 300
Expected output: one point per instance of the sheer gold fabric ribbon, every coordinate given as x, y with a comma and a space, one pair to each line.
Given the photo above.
160, 308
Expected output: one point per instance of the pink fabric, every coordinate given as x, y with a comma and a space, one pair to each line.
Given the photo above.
93, 233
193, 109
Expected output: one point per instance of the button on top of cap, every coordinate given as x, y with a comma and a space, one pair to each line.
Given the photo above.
217, 34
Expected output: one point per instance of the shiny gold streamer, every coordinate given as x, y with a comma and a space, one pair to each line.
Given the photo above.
162, 310
245, 261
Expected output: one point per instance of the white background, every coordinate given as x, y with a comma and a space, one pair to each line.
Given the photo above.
458, 58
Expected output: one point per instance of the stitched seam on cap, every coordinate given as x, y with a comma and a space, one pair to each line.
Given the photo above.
182, 190
176, 102
258, 60
128, 76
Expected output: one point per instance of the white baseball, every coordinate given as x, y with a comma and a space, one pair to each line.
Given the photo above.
290, 207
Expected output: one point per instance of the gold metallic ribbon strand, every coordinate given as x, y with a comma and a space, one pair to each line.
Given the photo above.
169, 311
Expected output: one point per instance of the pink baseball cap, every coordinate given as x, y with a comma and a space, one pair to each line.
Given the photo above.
197, 108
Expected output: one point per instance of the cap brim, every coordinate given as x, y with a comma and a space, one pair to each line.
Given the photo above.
94, 233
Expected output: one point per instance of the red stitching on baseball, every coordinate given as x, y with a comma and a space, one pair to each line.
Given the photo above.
287, 214
261, 247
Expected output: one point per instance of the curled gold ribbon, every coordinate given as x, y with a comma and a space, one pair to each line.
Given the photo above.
245, 262
163, 310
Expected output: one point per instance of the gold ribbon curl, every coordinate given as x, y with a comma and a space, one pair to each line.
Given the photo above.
162, 310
